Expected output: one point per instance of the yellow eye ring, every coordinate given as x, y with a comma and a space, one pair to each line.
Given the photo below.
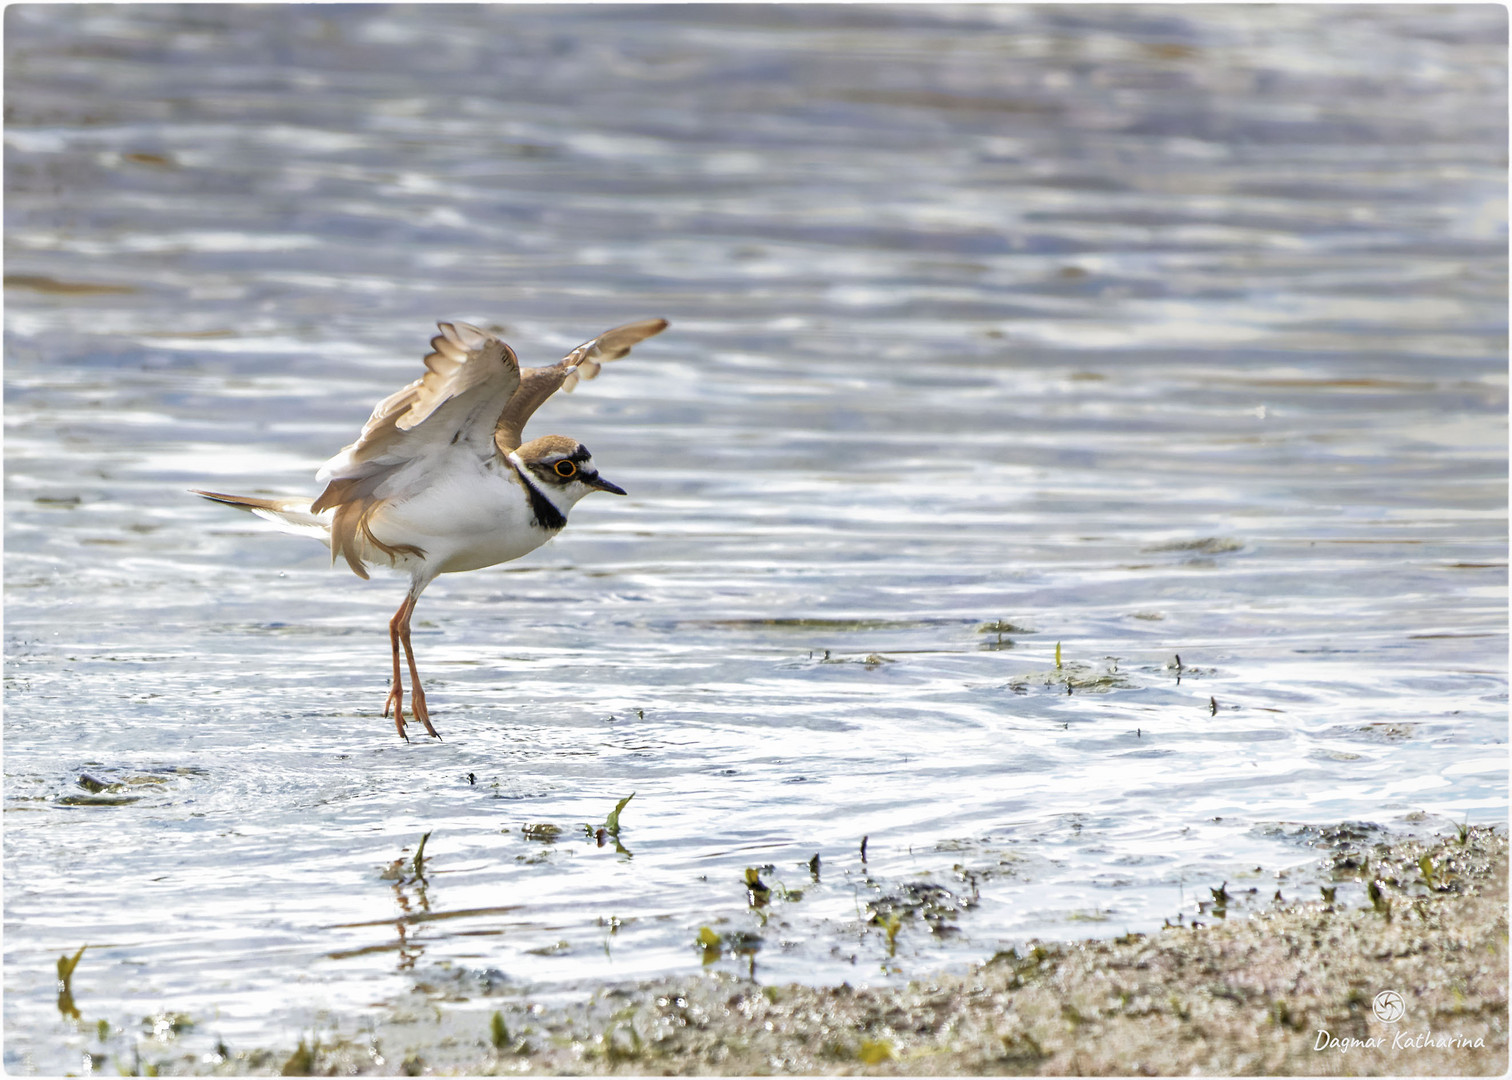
565, 469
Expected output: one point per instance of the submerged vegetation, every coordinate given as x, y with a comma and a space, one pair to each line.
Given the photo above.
1288, 991
66, 965
610, 829
419, 863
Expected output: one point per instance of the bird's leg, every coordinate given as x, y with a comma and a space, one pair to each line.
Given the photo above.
417, 694
396, 690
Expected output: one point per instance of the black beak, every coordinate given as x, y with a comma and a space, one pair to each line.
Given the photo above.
599, 483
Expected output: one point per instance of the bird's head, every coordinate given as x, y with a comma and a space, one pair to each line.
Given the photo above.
563, 468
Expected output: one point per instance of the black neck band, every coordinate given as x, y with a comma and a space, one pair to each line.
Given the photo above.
547, 516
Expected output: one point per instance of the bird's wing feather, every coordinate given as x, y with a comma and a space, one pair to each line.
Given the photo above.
583, 362
470, 377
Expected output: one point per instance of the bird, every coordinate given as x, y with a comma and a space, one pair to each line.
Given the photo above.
440, 480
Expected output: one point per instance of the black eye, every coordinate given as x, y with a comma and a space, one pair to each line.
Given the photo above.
566, 469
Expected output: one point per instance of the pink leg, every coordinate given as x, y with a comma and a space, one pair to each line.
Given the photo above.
396, 690
417, 694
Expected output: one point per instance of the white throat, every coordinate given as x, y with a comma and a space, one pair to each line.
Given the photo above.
560, 499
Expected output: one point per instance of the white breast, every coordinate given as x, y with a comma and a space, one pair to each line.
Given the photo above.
465, 514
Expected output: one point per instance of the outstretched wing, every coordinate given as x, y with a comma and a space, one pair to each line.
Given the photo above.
470, 377
583, 362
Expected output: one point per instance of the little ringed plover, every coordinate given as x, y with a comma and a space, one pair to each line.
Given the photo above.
439, 481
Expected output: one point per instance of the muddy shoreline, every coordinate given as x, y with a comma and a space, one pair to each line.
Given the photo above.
1290, 990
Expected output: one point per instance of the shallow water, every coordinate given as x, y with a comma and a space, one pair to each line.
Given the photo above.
1142, 333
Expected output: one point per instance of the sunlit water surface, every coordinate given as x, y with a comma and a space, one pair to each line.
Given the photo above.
1141, 333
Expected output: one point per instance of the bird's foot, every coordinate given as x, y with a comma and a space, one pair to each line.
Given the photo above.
422, 714
395, 701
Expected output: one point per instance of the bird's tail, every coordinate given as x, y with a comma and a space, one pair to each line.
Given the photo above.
290, 515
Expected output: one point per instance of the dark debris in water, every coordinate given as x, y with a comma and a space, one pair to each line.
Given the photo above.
1072, 675
871, 661
926, 901
1371, 855
105, 785
1345, 837
42, 284
1380, 731
1003, 626
981, 860
1208, 545
556, 948
98, 800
